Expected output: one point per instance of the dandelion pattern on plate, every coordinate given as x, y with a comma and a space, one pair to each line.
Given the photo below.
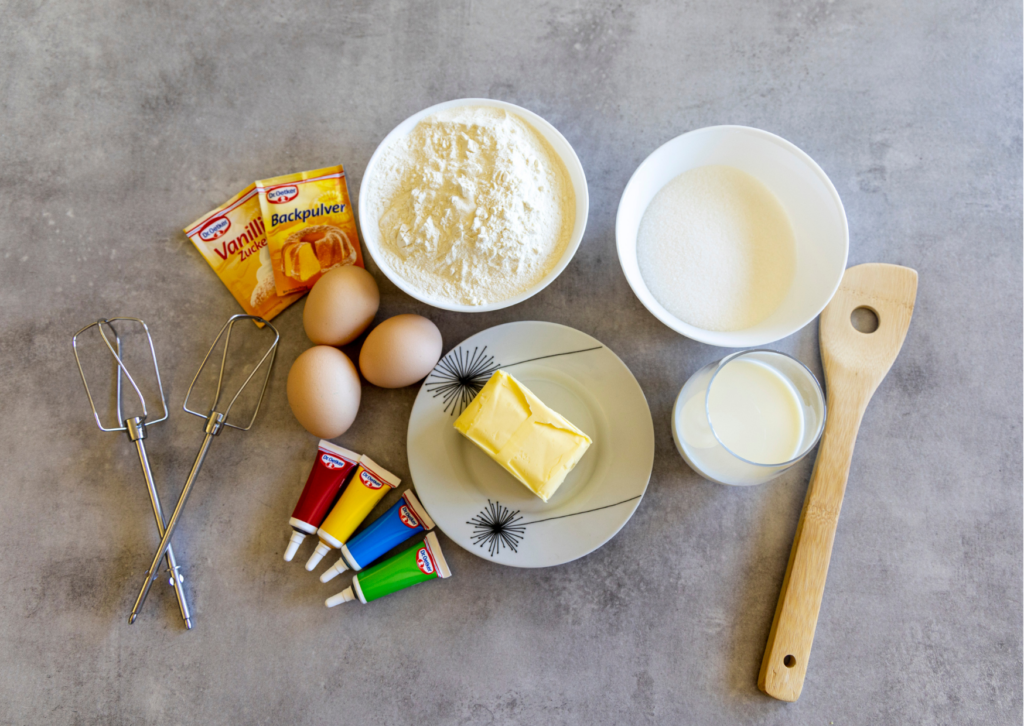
459, 376
496, 527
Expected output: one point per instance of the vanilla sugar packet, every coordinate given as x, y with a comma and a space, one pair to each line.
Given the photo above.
233, 240
310, 226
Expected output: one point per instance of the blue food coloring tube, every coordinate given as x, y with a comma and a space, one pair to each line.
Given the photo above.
406, 518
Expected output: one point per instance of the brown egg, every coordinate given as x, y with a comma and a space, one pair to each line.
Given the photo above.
324, 391
400, 351
340, 306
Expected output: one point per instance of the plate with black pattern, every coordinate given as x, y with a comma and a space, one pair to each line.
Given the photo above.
483, 508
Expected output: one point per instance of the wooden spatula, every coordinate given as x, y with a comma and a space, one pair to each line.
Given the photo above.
854, 363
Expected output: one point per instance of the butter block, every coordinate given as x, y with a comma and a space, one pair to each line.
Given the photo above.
536, 445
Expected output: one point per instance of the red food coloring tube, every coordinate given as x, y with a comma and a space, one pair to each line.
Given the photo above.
331, 470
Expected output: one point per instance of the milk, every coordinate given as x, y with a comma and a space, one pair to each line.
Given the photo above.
756, 412
747, 418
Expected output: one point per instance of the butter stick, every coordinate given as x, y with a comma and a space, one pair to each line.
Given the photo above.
535, 444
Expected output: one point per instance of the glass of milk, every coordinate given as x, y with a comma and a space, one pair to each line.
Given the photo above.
747, 418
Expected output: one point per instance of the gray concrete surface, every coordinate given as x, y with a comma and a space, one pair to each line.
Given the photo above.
121, 122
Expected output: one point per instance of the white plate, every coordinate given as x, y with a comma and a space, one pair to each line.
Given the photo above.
479, 505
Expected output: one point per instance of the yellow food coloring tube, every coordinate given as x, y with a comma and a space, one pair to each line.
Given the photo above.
368, 485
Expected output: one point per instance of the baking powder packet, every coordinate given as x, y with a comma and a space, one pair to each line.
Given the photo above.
233, 240
310, 226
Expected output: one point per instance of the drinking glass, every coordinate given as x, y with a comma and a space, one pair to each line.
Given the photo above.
699, 443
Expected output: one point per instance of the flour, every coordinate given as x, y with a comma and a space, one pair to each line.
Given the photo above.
716, 249
473, 206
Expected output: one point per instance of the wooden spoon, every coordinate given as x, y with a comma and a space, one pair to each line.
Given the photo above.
854, 363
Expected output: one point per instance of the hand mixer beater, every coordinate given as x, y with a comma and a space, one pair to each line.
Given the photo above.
216, 420
135, 426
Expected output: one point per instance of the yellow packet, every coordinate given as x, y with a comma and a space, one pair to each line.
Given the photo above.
310, 227
233, 240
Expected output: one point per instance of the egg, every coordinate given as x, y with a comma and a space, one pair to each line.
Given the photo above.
400, 351
340, 306
324, 391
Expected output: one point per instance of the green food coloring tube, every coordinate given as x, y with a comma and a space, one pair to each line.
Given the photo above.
419, 563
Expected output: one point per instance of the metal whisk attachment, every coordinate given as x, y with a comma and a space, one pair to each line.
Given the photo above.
216, 420
135, 427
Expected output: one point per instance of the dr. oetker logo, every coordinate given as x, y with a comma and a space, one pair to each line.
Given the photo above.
407, 517
282, 194
424, 562
214, 228
332, 462
369, 481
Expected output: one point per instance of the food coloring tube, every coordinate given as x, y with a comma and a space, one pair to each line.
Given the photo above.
369, 484
419, 563
330, 470
406, 518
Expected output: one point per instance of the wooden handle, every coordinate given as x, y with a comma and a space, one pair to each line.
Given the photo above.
796, 616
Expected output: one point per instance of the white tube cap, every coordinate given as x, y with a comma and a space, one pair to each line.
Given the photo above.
318, 554
333, 572
345, 595
293, 545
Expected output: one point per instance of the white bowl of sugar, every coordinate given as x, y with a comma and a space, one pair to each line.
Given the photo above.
702, 281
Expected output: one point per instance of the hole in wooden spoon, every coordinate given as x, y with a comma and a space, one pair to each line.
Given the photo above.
864, 320
789, 661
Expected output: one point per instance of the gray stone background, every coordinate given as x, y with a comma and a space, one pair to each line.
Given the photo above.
121, 122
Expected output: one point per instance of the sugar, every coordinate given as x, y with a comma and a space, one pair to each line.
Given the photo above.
716, 249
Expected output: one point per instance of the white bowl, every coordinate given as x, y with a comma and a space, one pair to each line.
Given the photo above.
814, 208
371, 230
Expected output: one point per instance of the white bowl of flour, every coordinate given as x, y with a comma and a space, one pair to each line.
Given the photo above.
473, 205
697, 270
